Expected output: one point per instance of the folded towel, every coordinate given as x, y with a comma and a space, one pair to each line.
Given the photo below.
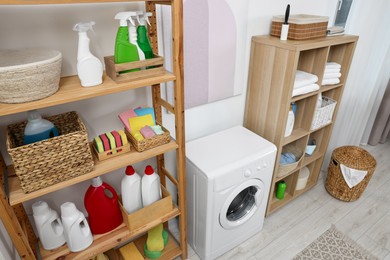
332, 65
124, 117
332, 75
157, 129
352, 176
331, 70
303, 79
306, 89
330, 81
147, 132
287, 158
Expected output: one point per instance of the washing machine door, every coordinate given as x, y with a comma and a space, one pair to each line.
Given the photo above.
241, 203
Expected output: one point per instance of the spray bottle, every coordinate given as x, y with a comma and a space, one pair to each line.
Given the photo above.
142, 32
89, 68
124, 50
133, 35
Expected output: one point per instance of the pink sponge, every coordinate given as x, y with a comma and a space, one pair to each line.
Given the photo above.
147, 132
124, 117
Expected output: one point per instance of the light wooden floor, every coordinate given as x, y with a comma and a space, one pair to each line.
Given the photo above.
292, 228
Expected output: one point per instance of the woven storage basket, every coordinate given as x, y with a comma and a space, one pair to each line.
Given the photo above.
283, 170
151, 142
54, 160
352, 157
28, 75
301, 26
324, 114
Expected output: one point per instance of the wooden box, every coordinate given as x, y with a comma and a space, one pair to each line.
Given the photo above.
147, 68
302, 26
149, 213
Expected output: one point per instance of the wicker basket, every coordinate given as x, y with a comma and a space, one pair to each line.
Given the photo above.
352, 157
29, 74
151, 142
54, 160
285, 169
324, 114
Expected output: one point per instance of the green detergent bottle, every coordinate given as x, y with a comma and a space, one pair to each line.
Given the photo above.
124, 50
142, 32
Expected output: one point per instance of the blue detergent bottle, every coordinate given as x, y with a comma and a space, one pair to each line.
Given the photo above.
37, 128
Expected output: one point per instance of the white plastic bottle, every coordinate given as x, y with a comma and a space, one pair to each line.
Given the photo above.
89, 68
37, 128
77, 232
151, 189
290, 123
49, 226
131, 190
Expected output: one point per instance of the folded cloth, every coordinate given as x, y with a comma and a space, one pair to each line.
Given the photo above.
147, 132
330, 81
287, 158
157, 129
304, 90
331, 70
352, 176
124, 117
303, 79
144, 111
332, 65
332, 75
136, 123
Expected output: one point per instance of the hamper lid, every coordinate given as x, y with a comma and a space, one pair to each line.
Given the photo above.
354, 157
301, 18
18, 59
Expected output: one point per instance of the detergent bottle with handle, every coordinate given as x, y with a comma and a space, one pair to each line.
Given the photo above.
49, 226
37, 128
89, 68
76, 229
101, 203
142, 34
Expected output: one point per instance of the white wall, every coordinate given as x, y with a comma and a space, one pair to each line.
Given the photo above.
50, 26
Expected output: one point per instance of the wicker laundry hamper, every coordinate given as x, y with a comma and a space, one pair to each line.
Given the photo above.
353, 157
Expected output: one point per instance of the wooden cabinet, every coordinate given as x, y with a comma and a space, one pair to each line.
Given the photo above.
11, 196
273, 65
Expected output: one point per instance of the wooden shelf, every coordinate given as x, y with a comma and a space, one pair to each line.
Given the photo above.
171, 250
121, 234
295, 135
39, 2
16, 195
330, 87
70, 90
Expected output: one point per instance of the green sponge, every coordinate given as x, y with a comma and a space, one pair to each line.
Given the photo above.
156, 254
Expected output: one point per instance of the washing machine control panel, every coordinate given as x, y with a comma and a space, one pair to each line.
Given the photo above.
247, 173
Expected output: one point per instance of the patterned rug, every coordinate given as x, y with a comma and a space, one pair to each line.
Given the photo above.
333, 245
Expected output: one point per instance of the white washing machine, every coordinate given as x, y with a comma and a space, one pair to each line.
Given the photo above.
228, 180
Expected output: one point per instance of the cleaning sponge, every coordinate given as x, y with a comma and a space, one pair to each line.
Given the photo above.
130, 252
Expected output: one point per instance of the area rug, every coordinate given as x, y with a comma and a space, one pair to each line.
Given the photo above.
333, 245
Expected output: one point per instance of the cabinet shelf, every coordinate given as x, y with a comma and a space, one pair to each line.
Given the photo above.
40, 2
16, 195
121, 234
70, 90
295, 135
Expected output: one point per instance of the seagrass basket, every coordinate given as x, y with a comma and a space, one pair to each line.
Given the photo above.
285, 169
28, 75
54, 160
151, 142
352, 157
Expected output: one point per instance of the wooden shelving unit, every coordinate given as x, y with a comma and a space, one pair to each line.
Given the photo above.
271, 79
11, 209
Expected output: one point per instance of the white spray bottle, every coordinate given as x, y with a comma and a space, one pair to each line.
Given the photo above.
89, 68
133, 34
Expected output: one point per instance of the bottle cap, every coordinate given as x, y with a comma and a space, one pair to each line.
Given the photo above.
96, 182
149, 170
130, 170
68, 209
33, 115
40, 208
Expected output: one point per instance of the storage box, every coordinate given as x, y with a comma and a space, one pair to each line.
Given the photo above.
324, 114
284, 169
151, 142
302, 26
27, 75
54, 160
147, 68
111, 153
149, 213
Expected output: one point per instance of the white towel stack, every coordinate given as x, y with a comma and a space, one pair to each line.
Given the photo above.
332, 74
304, 83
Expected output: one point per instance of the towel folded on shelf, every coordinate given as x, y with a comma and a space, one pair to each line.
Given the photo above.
303, 79
305, 89
331, 81
331, 75
327, 71
332, 65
